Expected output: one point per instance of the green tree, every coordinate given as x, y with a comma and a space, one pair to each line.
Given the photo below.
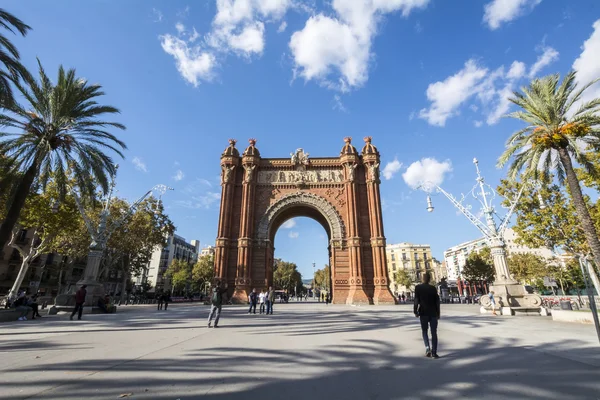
527, 267
322, 278
203, 271
130, 247
551, 223
479, 266
60, 130
286, 276
9, 56
180, 274
557, 124
405, 279
48, 222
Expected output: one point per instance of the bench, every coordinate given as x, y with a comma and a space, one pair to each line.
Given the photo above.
10, 314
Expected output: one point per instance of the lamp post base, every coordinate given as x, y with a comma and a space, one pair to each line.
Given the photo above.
512, 299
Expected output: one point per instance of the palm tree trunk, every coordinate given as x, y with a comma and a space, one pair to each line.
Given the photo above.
17, 203
591, 235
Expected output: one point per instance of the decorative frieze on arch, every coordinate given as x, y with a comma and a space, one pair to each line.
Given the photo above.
336, 225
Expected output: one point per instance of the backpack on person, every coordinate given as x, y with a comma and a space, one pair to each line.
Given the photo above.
216, 297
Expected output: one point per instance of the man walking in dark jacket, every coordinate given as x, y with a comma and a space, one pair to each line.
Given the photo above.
253, 301
427, 308
79, 300
216, 303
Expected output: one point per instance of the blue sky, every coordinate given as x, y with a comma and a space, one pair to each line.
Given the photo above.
427, 79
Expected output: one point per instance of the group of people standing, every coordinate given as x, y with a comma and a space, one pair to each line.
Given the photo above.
265, 299
163, 300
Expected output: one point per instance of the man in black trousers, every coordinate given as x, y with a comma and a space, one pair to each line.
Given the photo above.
427, 308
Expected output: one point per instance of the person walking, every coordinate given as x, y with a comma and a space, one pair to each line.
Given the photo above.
427, 309
79, 300
32, 302
270, 299
216, 303
253, 301
167, 300
261, 299
492, 302
161, 301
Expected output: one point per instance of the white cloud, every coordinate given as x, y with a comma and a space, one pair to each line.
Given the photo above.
179, 175
338, 105
282, 27
158, 15
238, 27
139, 164
197, 186
498, 12
478, 124
194, 36
335, 50
426, 170
587, 64
502, 104
184, 13
546, 58
418, 27
391, 168
491, 88
193, 63
239, 24
293, 234
517, 70
289, 224
249, 40
446, 96
204, 201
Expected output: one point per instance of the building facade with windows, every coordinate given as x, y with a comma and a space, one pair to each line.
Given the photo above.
207, 251
416, 259
456, 257
177, 248
49, 274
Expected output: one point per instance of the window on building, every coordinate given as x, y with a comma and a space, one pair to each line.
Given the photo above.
393, 257
393, 266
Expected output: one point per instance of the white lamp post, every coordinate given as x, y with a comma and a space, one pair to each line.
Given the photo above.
512, 295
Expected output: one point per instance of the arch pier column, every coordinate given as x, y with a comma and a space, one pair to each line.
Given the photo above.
357, 292
382, 294
243, 280
230, 159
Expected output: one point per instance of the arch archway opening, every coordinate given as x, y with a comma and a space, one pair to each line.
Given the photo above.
301, 238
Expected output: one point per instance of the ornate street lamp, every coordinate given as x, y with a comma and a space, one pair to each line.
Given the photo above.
513, 296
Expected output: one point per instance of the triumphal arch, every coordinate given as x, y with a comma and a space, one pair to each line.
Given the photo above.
341, 193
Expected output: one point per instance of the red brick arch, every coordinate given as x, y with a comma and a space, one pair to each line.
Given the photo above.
341, 193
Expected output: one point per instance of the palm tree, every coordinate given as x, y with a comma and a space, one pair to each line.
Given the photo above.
560, 128
59, 134
9, 55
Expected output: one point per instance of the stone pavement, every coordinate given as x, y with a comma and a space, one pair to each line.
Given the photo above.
304, 351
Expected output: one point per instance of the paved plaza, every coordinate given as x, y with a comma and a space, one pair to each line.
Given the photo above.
304, 351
